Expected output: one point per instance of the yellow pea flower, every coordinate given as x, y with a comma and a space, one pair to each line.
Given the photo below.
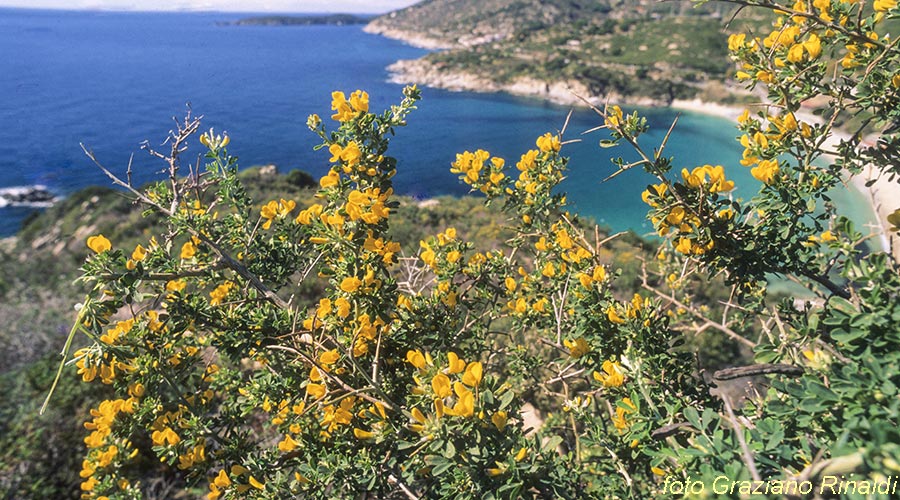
456, 365
884, 5
548, 142
287, 444
255, 483
613, 316
362, 435
499, 420
99, 243
416, 359
316, 391
765, 171
188, 250
473, 374
578, 347
613, 376
350, 284
441, 385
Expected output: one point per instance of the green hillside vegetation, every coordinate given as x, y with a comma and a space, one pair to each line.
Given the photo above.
644, 50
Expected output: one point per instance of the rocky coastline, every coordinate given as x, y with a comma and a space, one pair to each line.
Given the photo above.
563, 92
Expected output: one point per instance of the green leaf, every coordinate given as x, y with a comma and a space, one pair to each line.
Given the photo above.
691, 415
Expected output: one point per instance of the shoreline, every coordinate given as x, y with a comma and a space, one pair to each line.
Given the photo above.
880, 195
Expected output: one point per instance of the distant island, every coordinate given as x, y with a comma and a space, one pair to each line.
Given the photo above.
308, 20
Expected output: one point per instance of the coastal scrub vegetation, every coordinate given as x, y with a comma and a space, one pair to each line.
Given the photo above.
408, 369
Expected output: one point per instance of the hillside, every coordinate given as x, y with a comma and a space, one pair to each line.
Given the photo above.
643, 52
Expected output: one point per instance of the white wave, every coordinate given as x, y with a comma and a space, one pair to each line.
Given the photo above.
27, 196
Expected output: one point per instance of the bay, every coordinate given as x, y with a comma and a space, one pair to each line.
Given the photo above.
111, 80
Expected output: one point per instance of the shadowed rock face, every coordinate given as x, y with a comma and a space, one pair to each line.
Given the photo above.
26, 196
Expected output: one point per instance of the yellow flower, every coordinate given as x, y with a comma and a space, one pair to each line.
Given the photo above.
613, 376
521, 454
416, 359
220, 293
465, 403
578, 347
884, 5
222, 480
332, 179
316, 391
139, 253
549, 271
255, 483
359, 100
99, 243
165, 437
456, 365
813, 46
350, 284
547, 143
613, 316
441, 385
619, 421
188, 250
765, 171
499, 420
473, 373
736, 42
362, 435
497, 471
613, 117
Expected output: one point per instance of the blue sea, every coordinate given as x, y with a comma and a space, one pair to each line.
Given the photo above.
111, 80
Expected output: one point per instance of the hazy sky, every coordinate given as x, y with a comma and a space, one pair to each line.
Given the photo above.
352, 6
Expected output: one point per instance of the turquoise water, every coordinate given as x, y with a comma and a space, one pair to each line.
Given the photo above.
113, 80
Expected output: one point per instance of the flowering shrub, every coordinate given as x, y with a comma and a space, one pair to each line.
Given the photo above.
408, 376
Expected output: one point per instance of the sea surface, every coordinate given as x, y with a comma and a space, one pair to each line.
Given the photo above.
112, 80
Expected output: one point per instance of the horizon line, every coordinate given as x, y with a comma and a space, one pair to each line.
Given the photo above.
187, 11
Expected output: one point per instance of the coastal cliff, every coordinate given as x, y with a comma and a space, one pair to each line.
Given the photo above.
646, 54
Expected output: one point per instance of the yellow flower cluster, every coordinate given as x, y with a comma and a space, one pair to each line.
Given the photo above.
651, 195
347, 110
220, 293
103, 447
92, 364
368, 205
480, 171
577, 347
214, 141
350, 155
612, 375
537, 175
275, 210
431, 248
625, 407
632, 310
111, 337
450, 388
222, 482
707, 177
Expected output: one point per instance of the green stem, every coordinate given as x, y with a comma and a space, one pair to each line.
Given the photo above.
65, 353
